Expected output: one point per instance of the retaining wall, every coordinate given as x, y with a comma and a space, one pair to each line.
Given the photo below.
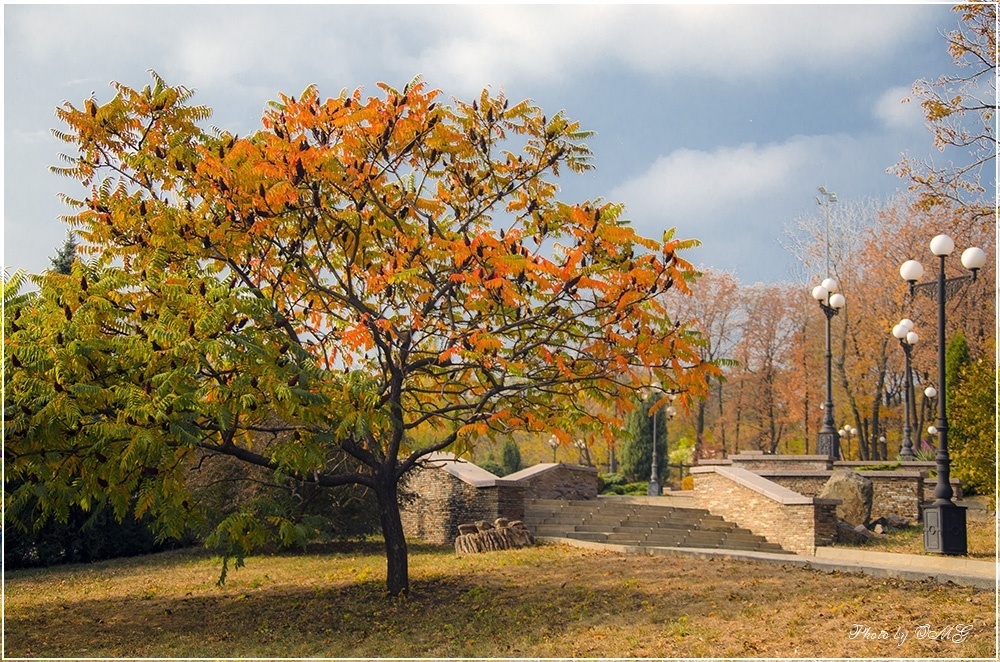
798, 523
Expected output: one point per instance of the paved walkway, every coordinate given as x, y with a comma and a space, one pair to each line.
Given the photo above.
917, 567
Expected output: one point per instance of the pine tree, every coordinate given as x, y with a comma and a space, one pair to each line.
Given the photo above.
62, 263
636, 453
511, 457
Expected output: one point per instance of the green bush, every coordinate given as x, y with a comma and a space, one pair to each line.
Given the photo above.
607, 481
972, 438
629, 489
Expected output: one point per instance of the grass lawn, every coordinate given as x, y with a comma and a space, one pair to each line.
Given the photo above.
545, 601
980, 538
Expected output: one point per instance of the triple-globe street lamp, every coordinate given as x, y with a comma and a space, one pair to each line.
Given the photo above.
830, 302
907, 339
944, 521
554, 443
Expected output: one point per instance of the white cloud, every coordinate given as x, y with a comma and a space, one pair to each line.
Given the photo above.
550, 43
897, 114
697, 183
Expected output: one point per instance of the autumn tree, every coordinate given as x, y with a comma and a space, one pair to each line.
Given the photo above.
315, 297
873, 239
959, 108
715, 313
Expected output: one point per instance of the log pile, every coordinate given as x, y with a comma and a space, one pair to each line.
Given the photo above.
485, 537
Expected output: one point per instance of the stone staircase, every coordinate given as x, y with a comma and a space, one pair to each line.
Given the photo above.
639, 524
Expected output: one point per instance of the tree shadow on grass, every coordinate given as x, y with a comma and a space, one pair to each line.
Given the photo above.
445, 616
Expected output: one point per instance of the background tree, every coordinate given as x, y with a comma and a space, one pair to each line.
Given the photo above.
636, 458
63, 261
511, 457
715, 313
972, 435
959, 109
361, 274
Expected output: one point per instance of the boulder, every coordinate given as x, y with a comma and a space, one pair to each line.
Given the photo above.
852, 534
855, 493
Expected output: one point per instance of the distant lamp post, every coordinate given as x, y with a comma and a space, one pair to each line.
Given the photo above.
581, 446
654, 477
830, 302
944, 521
846, 433
670, 412
554, 443
907, 339
652, 395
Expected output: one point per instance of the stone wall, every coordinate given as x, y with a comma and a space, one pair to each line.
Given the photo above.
757, 461
557, 481
795, 522
894, 492
441, 501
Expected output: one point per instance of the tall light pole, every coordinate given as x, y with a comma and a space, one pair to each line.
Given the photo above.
554, 443
669, 412
654, 477
944, 522
907, 339
830, 302
826, 199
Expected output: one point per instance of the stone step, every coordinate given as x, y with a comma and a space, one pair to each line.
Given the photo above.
622, 538
743, 537
639, 524
588, 536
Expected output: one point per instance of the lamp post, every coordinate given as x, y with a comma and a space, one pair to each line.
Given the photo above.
654, 478
581, 446
655, 489
846, 433
554, 443
944, 522
907, 339
830, 302
930, 393
670, 412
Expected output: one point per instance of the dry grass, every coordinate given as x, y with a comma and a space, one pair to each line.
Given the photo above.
546, 601
981, 539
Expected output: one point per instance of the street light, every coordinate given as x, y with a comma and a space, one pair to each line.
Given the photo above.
830, 302
654, 478
580, 445
846, 433
670, 412
944, 521
554, 443
907, 339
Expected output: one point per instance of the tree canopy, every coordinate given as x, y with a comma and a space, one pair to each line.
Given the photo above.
313, 298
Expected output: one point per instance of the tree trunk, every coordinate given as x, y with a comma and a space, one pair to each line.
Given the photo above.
397, 572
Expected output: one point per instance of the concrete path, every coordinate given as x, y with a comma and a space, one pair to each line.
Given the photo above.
916, 567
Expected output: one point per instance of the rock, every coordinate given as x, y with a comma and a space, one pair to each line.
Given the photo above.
483, 525
880, 529
896, 522
464, 529
855, 493
851, 534
501, 523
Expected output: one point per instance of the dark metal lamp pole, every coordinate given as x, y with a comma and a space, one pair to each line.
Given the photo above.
654, 478
830, 302
907, 339
945, 530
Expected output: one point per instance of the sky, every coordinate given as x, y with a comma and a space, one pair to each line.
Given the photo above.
718, 120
